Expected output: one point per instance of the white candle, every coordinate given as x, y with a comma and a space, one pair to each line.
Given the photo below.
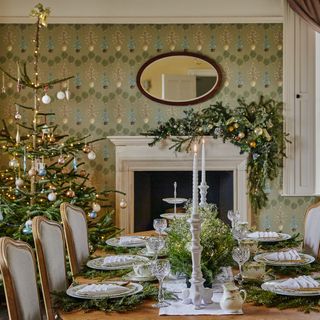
203, 163
195, 181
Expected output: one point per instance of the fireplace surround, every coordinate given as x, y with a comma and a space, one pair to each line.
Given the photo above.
133, 153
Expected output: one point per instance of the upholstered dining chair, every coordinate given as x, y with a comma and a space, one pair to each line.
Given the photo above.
18, 268
51, 255
76, 233
311, 241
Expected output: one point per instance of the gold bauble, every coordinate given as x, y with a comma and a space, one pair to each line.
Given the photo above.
82, 173
230, 128
123, 203
252, 144
70, 193
258, 131
86, 148
236, 125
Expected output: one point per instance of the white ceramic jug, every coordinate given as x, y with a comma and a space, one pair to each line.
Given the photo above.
232, 298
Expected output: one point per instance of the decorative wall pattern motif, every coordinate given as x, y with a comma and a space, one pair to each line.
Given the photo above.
104, 98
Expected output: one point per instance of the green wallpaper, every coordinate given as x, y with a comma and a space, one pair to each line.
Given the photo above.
105, 99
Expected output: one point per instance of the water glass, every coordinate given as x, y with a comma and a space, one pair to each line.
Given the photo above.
234, 217
155, 245
160, 269
240, 255
160, 225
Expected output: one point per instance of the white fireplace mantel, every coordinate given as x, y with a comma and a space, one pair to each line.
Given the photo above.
133, 153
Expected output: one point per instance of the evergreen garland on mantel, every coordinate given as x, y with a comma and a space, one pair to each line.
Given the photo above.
256, 127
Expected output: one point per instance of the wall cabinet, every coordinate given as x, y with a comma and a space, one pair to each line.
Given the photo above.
301, 176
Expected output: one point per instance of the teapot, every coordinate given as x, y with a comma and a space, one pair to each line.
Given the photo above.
232, 298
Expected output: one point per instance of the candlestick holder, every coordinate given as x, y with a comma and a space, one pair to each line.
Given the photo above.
203, 187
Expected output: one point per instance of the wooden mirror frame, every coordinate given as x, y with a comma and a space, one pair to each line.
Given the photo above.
202, 98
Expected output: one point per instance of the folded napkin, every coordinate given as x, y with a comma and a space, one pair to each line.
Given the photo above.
290, 255
302, 282
130, 240
118, 260
103, 288
263, 234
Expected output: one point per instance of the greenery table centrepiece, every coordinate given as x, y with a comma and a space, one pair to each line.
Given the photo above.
216, 240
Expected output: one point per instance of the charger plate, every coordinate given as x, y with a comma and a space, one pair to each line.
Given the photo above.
115, 242
133, 289
282, 237
305, 259
99, 265
273, 286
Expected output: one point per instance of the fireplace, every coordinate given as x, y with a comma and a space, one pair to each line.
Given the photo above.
133, 155
150, 187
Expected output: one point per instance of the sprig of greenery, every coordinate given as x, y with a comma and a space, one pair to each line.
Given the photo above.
255, 127
102, 275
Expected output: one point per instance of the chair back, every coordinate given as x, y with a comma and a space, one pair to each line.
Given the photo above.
50, 248
18, 268
76, 234
311, 239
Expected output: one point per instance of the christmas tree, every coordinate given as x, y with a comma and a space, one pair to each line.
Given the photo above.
44, 169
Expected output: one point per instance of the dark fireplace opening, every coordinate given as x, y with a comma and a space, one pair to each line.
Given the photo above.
150, 187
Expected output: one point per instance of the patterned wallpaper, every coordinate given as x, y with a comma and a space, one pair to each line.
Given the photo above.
104, 97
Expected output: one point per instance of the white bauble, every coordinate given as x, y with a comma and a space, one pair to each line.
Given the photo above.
52, 196
19, 182
28, 224
92, 155
123, 203
46, 99
32, 172
61, 95
96, 207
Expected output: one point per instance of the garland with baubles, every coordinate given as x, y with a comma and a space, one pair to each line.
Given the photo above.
255, 127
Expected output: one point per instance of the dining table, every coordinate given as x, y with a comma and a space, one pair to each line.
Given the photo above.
145, 311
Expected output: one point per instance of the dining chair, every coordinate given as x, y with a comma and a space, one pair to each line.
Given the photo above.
76, 234
18, 268
311, 241
51, 255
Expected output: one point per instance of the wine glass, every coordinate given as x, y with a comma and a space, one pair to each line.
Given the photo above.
234, 217
160, 225
160, 269
239, 232
155, 245
240, 255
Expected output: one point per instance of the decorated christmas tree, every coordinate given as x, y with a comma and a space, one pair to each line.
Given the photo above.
44, 168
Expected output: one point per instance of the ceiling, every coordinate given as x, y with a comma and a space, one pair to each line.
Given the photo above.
147, 11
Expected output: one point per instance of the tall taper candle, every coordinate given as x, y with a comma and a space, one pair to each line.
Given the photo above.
203, 163
195, 181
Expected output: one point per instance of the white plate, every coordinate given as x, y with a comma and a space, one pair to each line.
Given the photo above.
134, 288
131, 276
114, 242
282, 237
98, 263
175, 200
171, 216
273, 287
144, 252
307, 259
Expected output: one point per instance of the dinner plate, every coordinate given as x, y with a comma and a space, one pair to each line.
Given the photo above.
306, 259
144, 252
282, 237
98, 263
175, 200
114, 242
133, 289
131, 276
171, 216
273, 286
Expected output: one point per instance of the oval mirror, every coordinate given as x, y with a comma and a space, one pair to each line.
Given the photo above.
179, 78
